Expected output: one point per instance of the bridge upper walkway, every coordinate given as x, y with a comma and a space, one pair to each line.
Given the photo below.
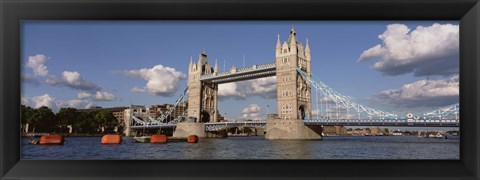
241, 74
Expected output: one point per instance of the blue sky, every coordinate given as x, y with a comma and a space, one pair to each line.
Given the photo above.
105, 53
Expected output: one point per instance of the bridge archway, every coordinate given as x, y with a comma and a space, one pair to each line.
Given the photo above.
301, 111
204, 117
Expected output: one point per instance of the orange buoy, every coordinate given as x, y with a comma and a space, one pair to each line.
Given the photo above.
192, 139
158, 138
111, 139
52, 139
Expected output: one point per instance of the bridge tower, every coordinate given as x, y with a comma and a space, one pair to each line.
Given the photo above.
293, 93
202, 96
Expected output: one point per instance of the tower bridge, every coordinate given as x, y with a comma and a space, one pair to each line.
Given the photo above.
292, 68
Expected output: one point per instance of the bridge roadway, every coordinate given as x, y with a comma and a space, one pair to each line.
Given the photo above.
215, 126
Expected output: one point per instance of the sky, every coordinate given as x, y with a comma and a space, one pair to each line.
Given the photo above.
395, 66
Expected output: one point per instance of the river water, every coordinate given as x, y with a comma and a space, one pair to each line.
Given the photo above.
252, 147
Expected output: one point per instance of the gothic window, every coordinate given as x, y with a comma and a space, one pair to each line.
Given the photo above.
285, 51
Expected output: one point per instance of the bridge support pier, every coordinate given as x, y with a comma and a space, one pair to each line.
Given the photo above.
291, 129
185, 129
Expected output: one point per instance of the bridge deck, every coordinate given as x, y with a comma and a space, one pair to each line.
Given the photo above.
326, 122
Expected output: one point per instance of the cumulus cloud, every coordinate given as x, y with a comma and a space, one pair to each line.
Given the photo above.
43, 100
138, 90
161, 81
263, 87
230, 90
37, 63
30, 79
76, 103
98, 96
72, 79
54, 103
422, 93
425, 51
252, 111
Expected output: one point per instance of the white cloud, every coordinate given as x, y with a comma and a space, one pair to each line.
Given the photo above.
161, 81
98, 96
138, 90
422, 93
43, 100
37, 63
73, 80
76, 103
425, 51
263, 87
104, 96
252, 111
84, 95
54, 103
230, 90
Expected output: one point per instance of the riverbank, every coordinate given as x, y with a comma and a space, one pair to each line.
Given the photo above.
63, 134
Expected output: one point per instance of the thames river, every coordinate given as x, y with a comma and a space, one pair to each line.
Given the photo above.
252, 147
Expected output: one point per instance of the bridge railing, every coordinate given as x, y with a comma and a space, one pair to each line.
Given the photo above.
239, 71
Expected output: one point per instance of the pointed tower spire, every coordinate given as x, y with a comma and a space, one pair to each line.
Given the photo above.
278, 42
215, 69
307, 52
190, 66
307, 47
292, 39
278, 48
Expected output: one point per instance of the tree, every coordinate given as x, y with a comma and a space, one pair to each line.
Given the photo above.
66, 116
26, 114
106, 119
85, 122
386, 130
43, 118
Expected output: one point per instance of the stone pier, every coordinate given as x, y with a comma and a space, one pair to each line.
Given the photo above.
291, 129
185, 129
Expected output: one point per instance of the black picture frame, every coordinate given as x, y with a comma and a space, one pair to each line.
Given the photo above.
12, 12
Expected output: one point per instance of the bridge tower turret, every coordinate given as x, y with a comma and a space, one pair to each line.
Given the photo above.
202, 96
293, 92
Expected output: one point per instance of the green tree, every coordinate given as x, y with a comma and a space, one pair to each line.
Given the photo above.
43, 118
85, 122
26, 113
106, 119
386, 130
66, 116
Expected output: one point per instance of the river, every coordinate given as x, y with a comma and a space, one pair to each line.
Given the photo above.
251, 147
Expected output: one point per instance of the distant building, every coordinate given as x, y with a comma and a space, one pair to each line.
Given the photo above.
116, 111
156, 111
272, 116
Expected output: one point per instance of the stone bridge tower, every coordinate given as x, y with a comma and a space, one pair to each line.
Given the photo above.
202, 96
293, 93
